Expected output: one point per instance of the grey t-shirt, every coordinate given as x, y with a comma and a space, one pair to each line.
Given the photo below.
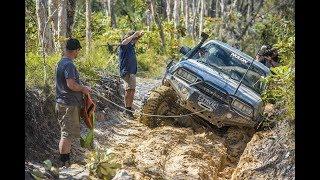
66, 69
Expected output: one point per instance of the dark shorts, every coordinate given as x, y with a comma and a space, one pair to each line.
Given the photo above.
69, 120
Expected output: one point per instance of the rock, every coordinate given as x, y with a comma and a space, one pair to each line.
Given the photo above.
266, 157
122, 175
100, 116
74, 171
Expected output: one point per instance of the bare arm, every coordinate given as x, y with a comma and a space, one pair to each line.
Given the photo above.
74, 86
128, 39
137, 34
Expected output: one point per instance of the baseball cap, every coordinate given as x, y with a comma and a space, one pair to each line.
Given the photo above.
73, 44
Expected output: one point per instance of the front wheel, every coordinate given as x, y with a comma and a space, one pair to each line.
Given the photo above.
161, 101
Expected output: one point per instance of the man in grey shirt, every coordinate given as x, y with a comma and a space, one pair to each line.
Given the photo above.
69, 99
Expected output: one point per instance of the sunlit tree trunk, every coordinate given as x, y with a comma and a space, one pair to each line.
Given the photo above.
71, 8
159, 23
181, 8
218, 8
195, 15
44, 30
106, 6
149, 15
62, 24
88, 28
53, 12
186, 16
113, 14
201, 17
168, 6
176, 10
222, 7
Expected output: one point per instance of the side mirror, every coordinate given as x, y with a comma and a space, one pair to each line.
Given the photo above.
184, 50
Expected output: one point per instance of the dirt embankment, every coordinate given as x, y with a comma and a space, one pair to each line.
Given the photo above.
269, 155
176, 152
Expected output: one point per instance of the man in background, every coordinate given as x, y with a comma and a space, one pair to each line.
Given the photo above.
268, 56
128, 68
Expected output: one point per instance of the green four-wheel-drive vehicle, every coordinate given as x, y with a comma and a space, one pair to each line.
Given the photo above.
213, 78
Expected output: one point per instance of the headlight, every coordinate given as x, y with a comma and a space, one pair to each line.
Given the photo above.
242, 107
189, 77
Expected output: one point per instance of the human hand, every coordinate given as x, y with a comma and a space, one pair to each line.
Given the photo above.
141, 33
136, 34
86, 89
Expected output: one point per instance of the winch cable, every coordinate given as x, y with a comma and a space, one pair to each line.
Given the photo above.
145, 114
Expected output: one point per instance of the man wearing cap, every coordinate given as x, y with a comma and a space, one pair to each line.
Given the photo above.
128, 68
69, 99
267, 56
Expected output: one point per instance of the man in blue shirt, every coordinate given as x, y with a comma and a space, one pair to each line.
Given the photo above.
128, 67
69, 99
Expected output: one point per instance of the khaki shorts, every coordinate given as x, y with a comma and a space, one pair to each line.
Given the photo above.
69, 120
129, 81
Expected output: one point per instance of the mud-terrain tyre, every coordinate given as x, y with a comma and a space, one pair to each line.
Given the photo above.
161, 101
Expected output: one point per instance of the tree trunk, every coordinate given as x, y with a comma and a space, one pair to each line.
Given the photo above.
176, 13
113, 14
163, 9
201, 17
106, 6
44, 30
53, 12
222, 8
88, 28
159, 24
186, 14
153, 9
71, 7
195, 15
168, 7
181, 8
149, 15
218, 8
206, 9
249, 23
213, 9
62, 25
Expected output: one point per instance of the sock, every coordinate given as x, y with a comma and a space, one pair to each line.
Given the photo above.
65, 157
128, 108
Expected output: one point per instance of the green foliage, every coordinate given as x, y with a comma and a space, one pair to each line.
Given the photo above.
274, 26
35, 68
86, 141
31, 26
101, 164
280, 91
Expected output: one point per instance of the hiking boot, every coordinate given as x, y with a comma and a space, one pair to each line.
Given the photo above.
64, 165
128, 114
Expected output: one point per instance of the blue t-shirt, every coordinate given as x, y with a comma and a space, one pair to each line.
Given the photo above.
128, 59
66, 69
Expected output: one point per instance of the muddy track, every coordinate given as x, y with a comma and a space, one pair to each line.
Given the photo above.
192, 149
196, 151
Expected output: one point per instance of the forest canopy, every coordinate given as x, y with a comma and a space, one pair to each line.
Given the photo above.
168, 24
